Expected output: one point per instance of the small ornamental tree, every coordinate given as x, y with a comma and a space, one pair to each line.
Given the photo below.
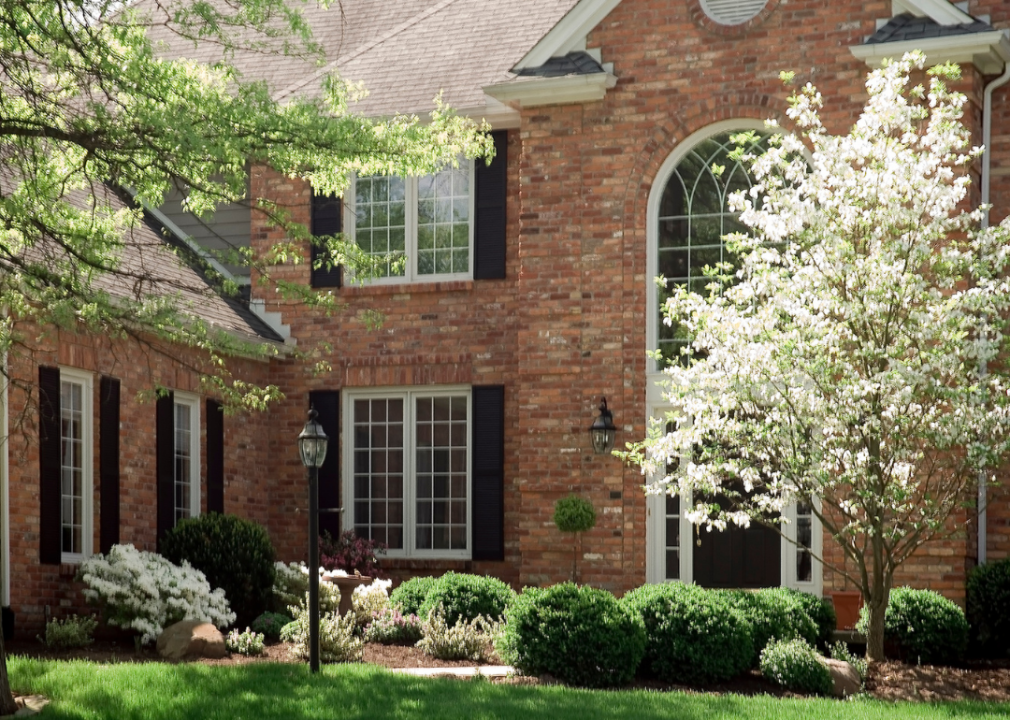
839, 364
574, 514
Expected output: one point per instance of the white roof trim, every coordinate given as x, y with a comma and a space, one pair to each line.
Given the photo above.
562, 90
989, 51
496, 113
568, 33
939, 11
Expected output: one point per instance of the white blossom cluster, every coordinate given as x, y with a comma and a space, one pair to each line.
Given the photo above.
146, 592
291, 586
370, 601
838, 362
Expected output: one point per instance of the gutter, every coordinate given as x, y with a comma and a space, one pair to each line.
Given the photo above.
999, 82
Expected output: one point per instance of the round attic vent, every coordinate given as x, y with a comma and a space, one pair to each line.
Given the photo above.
732, 12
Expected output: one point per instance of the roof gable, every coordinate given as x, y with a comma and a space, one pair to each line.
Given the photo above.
569, 33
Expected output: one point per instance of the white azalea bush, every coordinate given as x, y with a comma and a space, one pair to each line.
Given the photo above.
838, 364
145, 592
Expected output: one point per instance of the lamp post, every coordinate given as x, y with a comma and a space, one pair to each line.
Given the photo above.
312, 448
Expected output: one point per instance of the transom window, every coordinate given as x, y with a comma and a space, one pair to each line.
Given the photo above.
75, 464
410, 464
693, 217
421, 227
187, 458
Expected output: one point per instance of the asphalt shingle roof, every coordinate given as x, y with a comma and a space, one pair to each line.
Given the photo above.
908, 27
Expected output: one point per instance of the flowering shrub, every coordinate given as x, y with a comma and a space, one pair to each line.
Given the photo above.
337, 641
466, 640
795, 665
368, 601
73, 632
247, 643
350, 552
269, 624
145, 592
391, 627
291, 587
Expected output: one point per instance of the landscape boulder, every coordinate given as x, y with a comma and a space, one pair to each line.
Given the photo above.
844, 677
191, 639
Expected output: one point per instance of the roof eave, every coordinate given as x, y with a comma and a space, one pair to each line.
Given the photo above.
563, 90
988, 51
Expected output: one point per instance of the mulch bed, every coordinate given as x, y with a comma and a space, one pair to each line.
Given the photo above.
978, 680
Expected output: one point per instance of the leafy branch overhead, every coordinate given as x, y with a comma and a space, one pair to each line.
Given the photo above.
101, 115
837, 364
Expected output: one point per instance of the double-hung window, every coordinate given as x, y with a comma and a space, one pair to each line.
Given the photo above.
421, 227
75, 464
408, 459
186, 466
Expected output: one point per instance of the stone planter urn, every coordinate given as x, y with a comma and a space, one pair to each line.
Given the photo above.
346, 586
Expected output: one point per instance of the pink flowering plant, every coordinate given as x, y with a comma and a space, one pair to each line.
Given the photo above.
349, 552
391, 627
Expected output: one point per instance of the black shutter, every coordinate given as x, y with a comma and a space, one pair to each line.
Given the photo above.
50, 545
108, 410
491, 187
488, 484
165, 425
215, 457
327, 404
325, 220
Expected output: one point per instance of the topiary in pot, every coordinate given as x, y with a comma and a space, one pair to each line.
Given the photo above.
234, 553
574, 514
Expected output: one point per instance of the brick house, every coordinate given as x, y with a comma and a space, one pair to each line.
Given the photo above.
527, 294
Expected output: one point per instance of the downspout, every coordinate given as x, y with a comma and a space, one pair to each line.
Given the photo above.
986, 174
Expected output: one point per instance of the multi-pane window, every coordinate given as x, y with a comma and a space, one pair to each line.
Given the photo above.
672, 549
804, 542
410, 464
418, 228
72, 466
186, 459
693, 217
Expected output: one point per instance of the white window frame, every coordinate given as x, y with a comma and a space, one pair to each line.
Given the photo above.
86, 381
193, 403
408, 393
410, 274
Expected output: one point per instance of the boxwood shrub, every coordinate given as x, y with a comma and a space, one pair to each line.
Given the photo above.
410, 595
822, 612
795, 665
234, 553
773, 614
989, 608
930, 628
581, 635
467, 596
692, 635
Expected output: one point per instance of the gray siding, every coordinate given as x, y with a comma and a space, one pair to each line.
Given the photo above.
228, 228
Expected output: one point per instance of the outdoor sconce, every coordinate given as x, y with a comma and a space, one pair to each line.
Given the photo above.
312, 447
602, 430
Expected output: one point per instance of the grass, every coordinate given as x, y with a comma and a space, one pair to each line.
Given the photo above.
152, 691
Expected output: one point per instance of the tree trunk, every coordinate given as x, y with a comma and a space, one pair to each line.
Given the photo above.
7, 704
875, 631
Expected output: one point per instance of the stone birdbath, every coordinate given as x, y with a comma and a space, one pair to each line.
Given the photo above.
346, 585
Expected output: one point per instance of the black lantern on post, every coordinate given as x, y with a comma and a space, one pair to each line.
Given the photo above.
312, 443
602, 431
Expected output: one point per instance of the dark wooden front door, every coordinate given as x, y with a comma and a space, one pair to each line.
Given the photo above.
737, 558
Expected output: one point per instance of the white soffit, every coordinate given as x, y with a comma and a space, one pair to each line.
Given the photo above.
939, 11
988, 51
563, 90
568, 33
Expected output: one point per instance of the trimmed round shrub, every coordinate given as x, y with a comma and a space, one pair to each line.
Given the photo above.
692, 635
989, 608
930, 628
235, 554
796, 666
411, 594
574, 514
821, 611
581, 635
773, 614
269, 624
467, 596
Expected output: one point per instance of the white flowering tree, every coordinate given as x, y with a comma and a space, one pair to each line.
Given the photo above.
841, 363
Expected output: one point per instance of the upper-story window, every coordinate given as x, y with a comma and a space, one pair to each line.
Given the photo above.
421, 226
693, 217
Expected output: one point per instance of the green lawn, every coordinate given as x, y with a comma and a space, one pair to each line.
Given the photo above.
262, 691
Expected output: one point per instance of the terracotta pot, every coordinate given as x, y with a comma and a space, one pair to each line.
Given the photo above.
847, 604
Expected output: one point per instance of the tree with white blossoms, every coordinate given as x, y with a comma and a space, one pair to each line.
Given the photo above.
841, 363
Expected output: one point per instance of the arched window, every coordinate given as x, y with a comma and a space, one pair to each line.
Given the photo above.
693, 216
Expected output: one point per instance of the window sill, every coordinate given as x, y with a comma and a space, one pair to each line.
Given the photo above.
407, 288
69, 568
